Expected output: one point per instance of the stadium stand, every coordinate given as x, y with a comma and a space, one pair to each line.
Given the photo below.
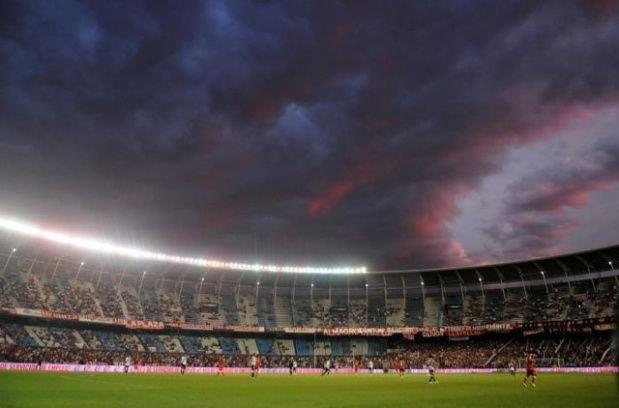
60, 308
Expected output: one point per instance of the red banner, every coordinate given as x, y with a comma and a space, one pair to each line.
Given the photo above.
59, 316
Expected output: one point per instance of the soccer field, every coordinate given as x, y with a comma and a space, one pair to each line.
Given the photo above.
21, 389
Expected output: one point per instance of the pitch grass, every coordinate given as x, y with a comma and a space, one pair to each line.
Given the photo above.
40, 389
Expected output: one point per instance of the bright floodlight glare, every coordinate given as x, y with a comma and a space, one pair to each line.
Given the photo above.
102, 246
14, 250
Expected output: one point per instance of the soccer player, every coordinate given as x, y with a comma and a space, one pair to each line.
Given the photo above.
400, 367
371, 366
431, 365
291, 364
220, 366
511, 368
183, 364
127, 364
294, 366
326, 369
255, 365
531, 371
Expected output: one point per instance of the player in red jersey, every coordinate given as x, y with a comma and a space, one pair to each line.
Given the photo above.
531, 371
220, 366
400, 367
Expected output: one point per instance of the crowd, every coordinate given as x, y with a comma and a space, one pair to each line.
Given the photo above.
472, 354
150, 298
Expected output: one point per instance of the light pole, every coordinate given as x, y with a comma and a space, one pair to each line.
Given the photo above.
141, 282
545, 284
79, 270
8, 260
367, 306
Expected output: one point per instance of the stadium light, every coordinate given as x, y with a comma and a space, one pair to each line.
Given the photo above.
103, 246
542, 272
79, 270
13, 250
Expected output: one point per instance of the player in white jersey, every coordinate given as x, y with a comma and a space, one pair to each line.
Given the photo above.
511, 368
254, 364
371, 366
431, 365
292, 366
326, 369
127, 364
183, 364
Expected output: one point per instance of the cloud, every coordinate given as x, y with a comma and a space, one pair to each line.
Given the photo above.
331, 133
538, 217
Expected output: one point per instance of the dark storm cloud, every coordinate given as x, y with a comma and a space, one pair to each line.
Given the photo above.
291, 131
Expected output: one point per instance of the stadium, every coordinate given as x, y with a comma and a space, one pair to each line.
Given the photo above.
61, 313
250, 203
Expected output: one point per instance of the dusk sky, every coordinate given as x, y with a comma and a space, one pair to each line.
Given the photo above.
391, 134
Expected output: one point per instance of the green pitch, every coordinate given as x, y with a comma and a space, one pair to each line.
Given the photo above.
169, 391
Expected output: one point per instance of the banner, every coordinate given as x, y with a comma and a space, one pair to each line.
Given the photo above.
190, 326
359, 331
300, 330
144, 324
245, 329
463, 331
566, 326
116, 321
532, 332
59, 316
500, 327
97, 368
26, 312
432, 332
605, 326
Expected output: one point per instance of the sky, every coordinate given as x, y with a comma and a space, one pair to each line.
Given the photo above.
391, 134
